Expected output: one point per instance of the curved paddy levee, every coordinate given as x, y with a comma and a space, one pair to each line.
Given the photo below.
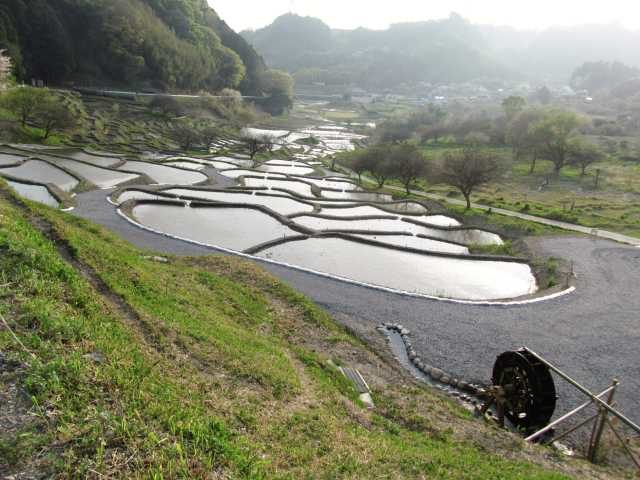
295, 186
356, 196
40, 171
242, 172
286, 169
415, 242
34, 192
370, 210
223, 165
99, 176
237, 161
280, 204
235, 228
137, 194
394, 225
407, 207
453, 278
334, 184
285, 163
98, 159
165, 175
189, 165
9, 160
466, 236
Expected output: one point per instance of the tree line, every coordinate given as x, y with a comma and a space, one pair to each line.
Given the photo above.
470, 159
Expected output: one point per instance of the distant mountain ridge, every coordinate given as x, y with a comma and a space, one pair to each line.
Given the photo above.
438, 51
158, 44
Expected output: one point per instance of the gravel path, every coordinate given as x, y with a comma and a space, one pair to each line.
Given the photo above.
593, 334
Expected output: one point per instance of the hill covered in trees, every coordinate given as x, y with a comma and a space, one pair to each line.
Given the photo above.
435, 51
153, 44
450, 50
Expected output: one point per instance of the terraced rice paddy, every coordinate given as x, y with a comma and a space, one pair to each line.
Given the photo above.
7, 159
396, 245
231, 228
41, 172
407, 271
164, 174
36, 193
299, 188
279, 204
286, 169
100, 177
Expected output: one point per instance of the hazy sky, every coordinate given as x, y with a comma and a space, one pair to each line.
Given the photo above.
530, 14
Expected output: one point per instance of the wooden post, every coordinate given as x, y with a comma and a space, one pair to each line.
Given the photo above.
598, 427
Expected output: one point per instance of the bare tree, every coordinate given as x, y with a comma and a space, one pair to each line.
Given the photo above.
185, 135
468, 169
268, 142
257, 143
408, 165
209, 134
379, 164
360, 165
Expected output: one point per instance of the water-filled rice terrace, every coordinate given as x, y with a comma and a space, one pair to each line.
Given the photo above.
291, 210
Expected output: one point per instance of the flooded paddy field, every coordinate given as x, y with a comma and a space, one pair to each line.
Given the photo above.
36, 193
9, 159
419, 243
93, 158
388, 224
243, 172
406, 271
280, 204
41, 172
286, 169
408, 207
299, 188
231, 228
100, 177
356, 196
343, 185
165, 174
186, 164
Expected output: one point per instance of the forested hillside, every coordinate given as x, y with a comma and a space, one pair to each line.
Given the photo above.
154, 44
435, 51
450, 50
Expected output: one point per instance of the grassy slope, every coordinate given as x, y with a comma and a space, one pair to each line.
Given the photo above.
212, 368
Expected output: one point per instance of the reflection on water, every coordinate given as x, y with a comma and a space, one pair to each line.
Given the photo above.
412, 272
100, 177
37, 193
41, 172
163, 174
411, 241
281, 205
291, 185
232, 228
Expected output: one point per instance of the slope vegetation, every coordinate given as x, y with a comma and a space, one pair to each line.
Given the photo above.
178, 44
